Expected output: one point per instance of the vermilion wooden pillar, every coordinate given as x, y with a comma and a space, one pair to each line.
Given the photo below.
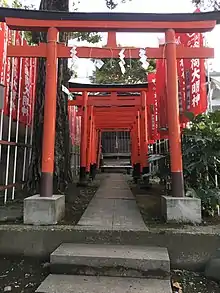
93, 165
49, 115
133, 147
89, 139
173, 116
83, 145
144, 134
138, 138
137, 165
132, 135
99, 148
95, 146
92, 144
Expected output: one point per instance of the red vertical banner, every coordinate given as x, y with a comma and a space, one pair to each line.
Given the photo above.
161, 97
72, 123
2, 41
16, 74
7, 74
33, 70
78, 131
150, 113
4, 63
181, 82
18, 77
195, 99
195, 89
28, 88
25, 103
153, 111
3, 51
161, 92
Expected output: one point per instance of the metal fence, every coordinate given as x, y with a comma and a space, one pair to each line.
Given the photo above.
116, 142
75, 160
17, 77
75, 136
17, 100
16, 148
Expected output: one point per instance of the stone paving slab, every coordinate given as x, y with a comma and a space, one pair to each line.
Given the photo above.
127, 215
113, 207
98, 213
130, 257
95, 284
115, 193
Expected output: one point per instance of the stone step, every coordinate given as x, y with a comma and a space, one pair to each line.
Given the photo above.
95, 284
110, 260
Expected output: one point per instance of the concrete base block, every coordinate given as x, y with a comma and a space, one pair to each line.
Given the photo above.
44, 210
182, 209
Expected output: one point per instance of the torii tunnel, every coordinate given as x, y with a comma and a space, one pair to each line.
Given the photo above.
113, 111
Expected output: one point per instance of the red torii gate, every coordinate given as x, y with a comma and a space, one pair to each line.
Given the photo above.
53, 50
113, 111
111, 51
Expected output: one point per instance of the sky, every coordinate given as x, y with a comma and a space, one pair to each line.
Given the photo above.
141, 40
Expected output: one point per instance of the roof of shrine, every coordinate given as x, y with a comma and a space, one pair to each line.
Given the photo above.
113, 85
106, 94
80, 16
87, 87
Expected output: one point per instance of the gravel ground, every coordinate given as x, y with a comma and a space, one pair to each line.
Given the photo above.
24, 275
77, 200
21, 275
149, 203
189, 282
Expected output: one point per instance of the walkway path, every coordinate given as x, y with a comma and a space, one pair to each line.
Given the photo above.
109, 268
113, 207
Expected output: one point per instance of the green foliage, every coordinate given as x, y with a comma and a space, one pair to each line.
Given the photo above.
80, 36
18, 4
85, 36
112, 4
207, 4
111, 72
201, 159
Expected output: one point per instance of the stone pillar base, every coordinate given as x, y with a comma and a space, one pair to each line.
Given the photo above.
182, 209
44, 210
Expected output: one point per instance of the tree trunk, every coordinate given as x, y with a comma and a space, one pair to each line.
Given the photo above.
62, 168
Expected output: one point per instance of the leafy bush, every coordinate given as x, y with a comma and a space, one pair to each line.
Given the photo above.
201, 159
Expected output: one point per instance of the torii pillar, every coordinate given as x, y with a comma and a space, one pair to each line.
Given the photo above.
178, 207
47, 208
89, 139
94, 151
173, 116
144, 138
83, 144
137, 153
